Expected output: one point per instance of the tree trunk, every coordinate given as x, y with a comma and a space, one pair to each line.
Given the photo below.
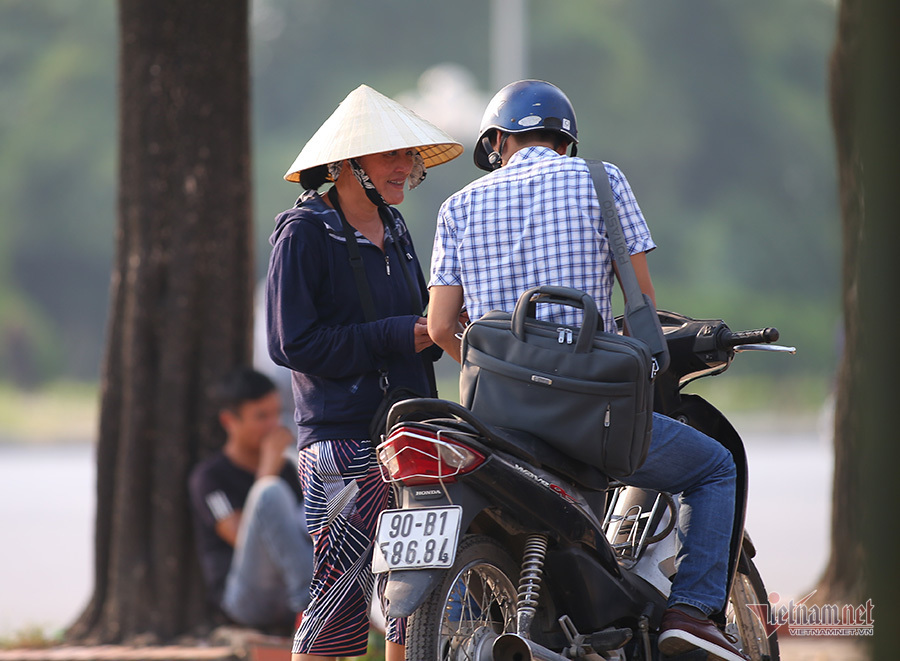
181, 305
865, 108
879, 292
842, 581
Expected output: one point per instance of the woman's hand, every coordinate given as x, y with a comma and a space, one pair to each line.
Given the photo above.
420, 334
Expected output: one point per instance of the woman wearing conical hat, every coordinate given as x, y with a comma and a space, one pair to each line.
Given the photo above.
345, 295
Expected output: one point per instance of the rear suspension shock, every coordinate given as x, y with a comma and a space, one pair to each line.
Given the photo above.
530, 583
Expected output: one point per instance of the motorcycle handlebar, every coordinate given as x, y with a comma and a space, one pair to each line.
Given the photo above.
728, 339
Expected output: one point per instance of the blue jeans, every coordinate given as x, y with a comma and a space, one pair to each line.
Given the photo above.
268, 582
683, 460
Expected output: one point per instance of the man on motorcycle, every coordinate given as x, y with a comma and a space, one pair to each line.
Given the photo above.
535, 220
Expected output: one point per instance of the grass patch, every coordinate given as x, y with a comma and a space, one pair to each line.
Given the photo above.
61, 411
754, 393
32, 638
68, 411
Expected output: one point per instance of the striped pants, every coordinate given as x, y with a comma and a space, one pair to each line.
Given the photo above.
343, 494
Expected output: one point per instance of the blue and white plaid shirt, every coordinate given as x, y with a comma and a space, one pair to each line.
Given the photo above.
535, 221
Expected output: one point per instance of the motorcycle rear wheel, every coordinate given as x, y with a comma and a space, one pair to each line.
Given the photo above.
473, 604
741, 621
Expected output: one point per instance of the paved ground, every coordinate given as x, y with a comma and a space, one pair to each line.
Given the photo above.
792, 649
224, 644
120, 653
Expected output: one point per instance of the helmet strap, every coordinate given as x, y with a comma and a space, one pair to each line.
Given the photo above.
493, 157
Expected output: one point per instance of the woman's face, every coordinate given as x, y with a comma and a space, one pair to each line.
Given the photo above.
388, 170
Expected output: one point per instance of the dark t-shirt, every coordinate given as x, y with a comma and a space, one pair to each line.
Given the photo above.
218, 488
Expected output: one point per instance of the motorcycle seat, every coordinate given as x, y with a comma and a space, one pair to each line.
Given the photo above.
540, 453
523, 445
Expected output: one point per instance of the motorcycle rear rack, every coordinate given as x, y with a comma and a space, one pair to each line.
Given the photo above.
630, 532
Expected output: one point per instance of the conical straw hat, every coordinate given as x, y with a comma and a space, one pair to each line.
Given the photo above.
367, 122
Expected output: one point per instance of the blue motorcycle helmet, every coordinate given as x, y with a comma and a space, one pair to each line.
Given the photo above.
526, 105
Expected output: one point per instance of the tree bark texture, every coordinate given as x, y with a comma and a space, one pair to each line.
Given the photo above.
879, 292
181, 305
865, 108
842, 581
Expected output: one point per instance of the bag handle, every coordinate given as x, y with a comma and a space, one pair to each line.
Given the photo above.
641, 319
563, 296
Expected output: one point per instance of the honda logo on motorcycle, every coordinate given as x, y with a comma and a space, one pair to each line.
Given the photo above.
425, 494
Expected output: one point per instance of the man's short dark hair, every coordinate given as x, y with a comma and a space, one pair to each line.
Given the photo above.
554, 138
243, 385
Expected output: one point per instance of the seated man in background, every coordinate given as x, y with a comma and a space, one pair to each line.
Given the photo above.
249, 520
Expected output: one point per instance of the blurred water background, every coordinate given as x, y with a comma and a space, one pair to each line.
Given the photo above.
47, 501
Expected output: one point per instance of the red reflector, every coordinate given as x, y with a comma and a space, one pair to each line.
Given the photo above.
421, 456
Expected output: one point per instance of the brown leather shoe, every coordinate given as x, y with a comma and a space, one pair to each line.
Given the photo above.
682, 633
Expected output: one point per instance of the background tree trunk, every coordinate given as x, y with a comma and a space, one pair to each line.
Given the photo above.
878, 126
865, 107
180, 305
842, 581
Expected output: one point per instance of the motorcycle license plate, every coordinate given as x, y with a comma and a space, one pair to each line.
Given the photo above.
416, 539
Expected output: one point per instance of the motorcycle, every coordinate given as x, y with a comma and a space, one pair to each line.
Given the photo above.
501, 548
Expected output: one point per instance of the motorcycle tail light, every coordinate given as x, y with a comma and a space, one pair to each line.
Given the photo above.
417, 456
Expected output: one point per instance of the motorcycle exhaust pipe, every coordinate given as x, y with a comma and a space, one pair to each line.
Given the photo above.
479, 647
513, 647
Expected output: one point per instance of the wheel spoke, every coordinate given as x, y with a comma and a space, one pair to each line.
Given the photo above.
475, 603
743, 624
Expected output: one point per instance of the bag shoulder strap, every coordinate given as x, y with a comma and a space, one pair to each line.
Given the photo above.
640, 313
633, 294
415, 296
359, 271
356, 262
362, 282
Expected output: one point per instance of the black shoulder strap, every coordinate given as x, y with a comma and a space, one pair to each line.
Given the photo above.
633, 294
415, 296
362, 282
640, 313
359, 269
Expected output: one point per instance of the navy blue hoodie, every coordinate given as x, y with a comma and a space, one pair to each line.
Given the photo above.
316, 326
